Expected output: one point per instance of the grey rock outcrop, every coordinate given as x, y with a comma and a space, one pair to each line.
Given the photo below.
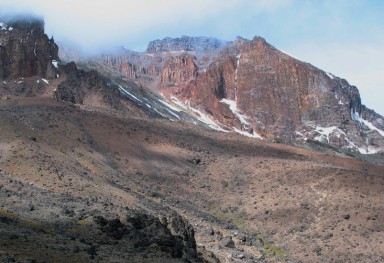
185, 43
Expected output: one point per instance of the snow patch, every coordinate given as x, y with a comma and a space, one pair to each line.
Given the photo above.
288, 54
205, 119
233, 107
329, 75
149, 106
301, 135
326, 131
169, 106
253, 135
10, 28
356, 117
55, 63
160, 113
237, 65
178, 102
340, 102
174, 114
201, 116
46, 81
372, 127
129, 94
236, 73
368, 150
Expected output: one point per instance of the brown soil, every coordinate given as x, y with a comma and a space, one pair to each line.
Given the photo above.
278, 203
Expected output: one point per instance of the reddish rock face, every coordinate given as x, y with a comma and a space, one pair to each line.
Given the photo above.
134, 66
122, 64
25, 50
278, 94
252, 86
178, 70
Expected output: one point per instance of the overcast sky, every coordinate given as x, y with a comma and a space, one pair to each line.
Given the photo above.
344, 37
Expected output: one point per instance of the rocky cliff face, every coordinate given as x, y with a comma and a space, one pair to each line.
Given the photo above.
25, 50
133, 65
161, 237
255, 87
178, 70
79, 84
251, 87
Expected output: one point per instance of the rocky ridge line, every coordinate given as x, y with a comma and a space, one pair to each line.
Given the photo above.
250, 87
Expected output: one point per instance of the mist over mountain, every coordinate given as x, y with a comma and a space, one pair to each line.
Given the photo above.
321, 33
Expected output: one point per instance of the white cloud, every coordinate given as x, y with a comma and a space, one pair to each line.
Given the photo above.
96, 23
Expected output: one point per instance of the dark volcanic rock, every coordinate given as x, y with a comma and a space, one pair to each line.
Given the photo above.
25, 50
171, 236
80, 84
113, 227
227, 242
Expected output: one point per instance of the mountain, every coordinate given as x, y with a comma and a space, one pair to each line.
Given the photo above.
136, 157
28, 56
251, 87
26, 51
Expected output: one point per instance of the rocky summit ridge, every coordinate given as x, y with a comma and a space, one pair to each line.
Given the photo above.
250, 87
185, 43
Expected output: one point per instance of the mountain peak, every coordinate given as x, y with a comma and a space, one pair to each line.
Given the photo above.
25, 50
23, 22
185, 43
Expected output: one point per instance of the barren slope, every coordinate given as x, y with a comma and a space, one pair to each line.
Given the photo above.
62, 166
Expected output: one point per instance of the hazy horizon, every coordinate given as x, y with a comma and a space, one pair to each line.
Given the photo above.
345, 38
